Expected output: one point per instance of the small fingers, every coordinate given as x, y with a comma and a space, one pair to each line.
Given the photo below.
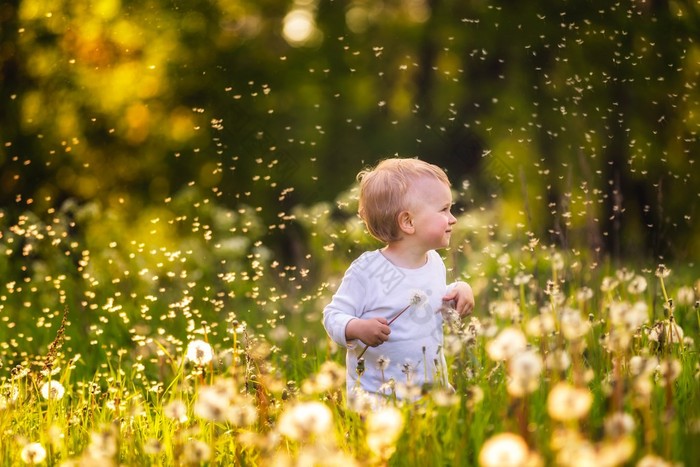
466, 311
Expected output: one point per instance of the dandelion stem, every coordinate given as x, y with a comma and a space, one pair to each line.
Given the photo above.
388, 324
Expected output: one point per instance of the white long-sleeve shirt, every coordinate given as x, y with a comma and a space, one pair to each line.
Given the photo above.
375, 287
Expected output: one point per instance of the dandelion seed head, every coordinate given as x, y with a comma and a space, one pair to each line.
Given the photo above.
526, 366
685, 296
407, 390
558, 360
584, 294
662, 271
451, 317
637, 285
522, 279
618, 425
453, 344
383, 363
608, 284
383, 430
199, 352
176, 410
52, 390
213, 403
566, 402
541, 324
8, 396
103, 444
573, 325
152, 447
196, 452
669, 370
417, 297
507, 343
33, 453
304, 420
504, 450
505, 309
663, 332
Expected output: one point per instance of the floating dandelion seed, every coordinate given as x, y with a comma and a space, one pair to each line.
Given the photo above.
199, 352
504, 450
52, 390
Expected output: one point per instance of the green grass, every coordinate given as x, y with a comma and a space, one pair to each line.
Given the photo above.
134, 299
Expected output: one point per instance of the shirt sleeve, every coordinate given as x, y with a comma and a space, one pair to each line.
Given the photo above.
346, 305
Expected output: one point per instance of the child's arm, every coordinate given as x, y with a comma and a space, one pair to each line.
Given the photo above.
463, 296
341, 317
372, 332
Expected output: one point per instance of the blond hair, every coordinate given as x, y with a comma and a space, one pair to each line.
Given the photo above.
383, 192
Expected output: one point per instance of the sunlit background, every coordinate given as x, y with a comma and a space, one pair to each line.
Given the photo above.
179, 171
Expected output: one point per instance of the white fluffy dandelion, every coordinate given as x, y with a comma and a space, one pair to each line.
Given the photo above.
196, 452
637, 285
176, 410
383, 430
199, 352
524, 370
507, 343
566, 402
33, 453
504, 450
304, 420
417, 297
52, 390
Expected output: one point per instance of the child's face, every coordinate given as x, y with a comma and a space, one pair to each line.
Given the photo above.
430, 202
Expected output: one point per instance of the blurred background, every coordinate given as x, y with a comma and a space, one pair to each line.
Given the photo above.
575, 122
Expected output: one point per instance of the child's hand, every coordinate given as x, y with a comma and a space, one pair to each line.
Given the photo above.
372, 332
463, 296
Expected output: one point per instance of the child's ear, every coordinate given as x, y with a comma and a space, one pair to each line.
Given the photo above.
406, 222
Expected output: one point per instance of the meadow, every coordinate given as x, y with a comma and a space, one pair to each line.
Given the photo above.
178, 336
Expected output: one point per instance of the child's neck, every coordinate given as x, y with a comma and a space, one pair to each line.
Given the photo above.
403, 256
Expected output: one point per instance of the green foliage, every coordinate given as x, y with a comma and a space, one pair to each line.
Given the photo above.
578, 120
